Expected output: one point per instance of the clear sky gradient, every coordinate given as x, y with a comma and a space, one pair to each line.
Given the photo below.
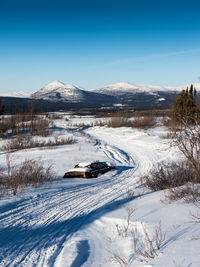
93, 43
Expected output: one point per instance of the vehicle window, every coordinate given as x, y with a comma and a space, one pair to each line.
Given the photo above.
77, 166
95, 166
102, 165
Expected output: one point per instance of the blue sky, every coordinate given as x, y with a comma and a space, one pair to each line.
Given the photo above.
93, 43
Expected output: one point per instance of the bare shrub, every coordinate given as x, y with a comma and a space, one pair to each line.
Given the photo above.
124, 120
148, 246
120, 259
189, 193
16, 123
54, 116
168, 176
179, 179
32, 123
27, 141
9, 123
144, 122
60, 141
80, 124
195, 237
118, 113
169, 123
187, 139
39, 126
131, 194
20, 142
116, 122
195, 216
29, 173
2, 182
196, 219
122, 230
168, 135
100, 123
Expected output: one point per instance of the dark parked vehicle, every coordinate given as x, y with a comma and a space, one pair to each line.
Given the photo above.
89, 170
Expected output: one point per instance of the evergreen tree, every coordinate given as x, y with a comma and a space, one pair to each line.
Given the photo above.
1, 112
185, 105
191, 90
1, 107
195, 92
187, 91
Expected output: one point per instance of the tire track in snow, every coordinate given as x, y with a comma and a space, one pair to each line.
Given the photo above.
43, 223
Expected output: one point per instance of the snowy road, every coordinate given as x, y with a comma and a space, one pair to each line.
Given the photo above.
35, 229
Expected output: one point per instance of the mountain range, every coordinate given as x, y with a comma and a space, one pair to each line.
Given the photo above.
125, 94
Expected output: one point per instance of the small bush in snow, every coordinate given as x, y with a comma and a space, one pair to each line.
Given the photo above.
116, 122
27, 141
196, 216
144, 122
179, 179
29, 173
123, 230
146, 243
54, 116
19, 123
148, 246
189, 192
169, 176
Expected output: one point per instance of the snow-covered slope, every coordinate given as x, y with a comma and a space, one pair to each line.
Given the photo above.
119, 94
122, 88
58, 91
73, 223
16, 94
126, 87
140, 95
179, 88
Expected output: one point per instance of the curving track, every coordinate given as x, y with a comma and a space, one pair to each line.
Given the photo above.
33, 230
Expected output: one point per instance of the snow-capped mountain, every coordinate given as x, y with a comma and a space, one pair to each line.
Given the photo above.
58, 91
137, 95
73, 95
60, 96
180, 88
140, 95
16, 94
126, 87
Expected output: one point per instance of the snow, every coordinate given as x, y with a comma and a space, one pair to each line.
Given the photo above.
57, 90
79, 170
52, 86
123, 87
72, 222
84, 164
16, 94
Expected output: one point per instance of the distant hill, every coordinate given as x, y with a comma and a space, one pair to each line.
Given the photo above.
16, 94
59, 96
57, 91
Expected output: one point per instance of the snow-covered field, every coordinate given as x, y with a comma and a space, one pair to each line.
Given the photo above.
74, 222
